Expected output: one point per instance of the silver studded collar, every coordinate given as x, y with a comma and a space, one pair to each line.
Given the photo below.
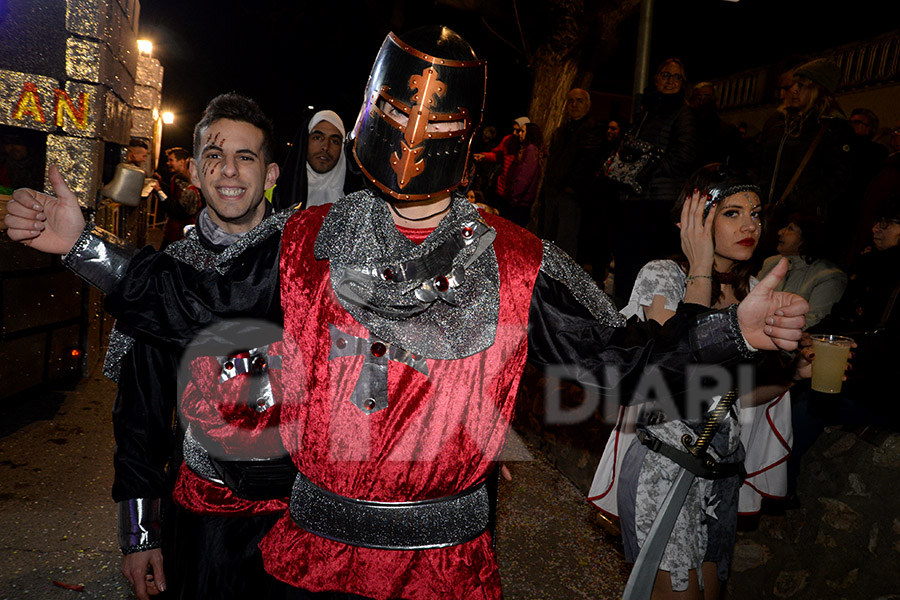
439, 299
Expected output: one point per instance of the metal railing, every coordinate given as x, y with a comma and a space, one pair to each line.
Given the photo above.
862, 64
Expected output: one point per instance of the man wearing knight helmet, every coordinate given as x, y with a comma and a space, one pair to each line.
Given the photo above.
409, 317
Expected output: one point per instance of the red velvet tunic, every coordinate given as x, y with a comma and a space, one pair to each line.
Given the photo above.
221, 421
438, 436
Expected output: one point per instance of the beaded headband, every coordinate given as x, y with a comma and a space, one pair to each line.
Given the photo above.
717, 194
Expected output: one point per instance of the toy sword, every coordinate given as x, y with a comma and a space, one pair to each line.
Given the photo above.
695, 460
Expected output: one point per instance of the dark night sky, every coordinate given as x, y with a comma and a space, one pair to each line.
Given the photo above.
290, 54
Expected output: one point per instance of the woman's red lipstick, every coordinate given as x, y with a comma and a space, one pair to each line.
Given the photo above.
747, 242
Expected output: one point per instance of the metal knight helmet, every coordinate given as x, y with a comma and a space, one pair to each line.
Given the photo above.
423, 103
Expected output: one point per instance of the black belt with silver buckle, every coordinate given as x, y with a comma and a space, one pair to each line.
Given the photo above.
683, 458
415, 525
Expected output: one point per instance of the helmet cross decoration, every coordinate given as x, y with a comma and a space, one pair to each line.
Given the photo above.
406, 163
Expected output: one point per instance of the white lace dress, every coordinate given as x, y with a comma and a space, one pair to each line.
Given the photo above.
765, 433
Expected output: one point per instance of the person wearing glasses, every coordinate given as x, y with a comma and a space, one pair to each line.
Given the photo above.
869, 154
666, 122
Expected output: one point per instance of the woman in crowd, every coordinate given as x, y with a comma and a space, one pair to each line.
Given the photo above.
523, 175
615, 129
821, 282
882, 189
869, 312
519, 155
720, 227
599, 224
497, 161
666, 122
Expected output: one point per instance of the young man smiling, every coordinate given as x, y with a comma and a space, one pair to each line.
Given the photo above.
209, 542
233, 167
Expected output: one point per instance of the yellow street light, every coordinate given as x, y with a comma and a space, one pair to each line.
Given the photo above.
168, 117
145, 47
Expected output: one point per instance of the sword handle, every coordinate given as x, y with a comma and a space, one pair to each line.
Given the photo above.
710, 426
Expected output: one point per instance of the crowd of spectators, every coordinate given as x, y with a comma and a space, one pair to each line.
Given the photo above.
817, 164
829, 183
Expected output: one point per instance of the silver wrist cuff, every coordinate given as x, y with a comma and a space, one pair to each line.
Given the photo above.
99, 258
716, 337
139, 524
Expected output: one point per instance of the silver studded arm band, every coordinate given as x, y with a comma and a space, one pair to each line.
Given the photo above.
99, 258
139, 524
717, 334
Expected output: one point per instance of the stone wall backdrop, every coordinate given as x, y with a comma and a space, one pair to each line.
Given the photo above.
843, 541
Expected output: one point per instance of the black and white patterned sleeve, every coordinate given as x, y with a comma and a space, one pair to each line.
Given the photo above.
657, 278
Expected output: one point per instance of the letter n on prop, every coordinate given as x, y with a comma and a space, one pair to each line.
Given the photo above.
64, 107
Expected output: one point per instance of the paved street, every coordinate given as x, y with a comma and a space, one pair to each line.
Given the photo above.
57, 520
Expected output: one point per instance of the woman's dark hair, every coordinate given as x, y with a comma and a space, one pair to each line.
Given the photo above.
533, 135
717, 181
813, 245
624, 124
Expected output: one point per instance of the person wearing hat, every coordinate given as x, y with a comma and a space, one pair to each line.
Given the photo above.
806, 163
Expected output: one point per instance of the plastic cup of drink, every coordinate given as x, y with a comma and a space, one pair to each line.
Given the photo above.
830, 362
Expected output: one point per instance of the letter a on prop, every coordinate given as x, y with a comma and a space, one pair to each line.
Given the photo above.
29, 104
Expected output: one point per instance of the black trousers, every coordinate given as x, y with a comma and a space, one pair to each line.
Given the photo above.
208, 557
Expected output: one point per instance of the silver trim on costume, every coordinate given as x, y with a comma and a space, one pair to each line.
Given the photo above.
190, 251
118, 346
139, 524
99, 257
416, 525
560, 267
370, 392
197, 458
439, 299
709, 338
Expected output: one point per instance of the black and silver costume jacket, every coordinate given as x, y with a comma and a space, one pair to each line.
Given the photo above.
146, 370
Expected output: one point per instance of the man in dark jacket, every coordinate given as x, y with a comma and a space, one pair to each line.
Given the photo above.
185, 200
806, 150
573, 158
148, 439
